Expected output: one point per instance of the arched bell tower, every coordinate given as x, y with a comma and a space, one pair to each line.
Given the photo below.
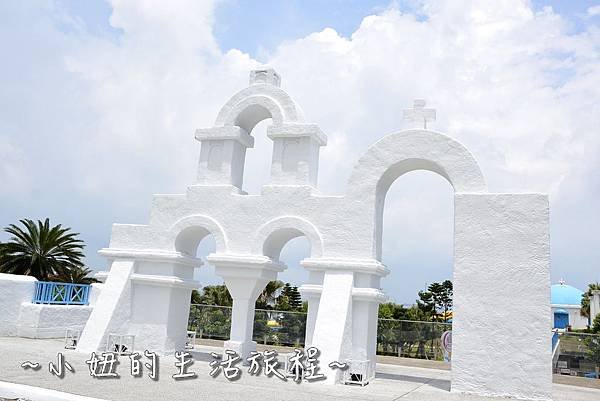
295, 143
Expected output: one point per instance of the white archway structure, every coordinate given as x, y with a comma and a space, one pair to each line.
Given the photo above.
499, 238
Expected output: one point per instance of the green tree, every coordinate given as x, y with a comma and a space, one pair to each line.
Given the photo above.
283, 303
215, 295
593, 352
445, 299
295, 299
219, 295
195, 297
585, 299
267, 297
596, 325
289, 299
40, 251
391, 310
436, 301
426, 304
417, 314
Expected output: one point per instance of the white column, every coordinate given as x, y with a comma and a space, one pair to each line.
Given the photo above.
245, 277
311, 320
341, 331
365, 312
244, 292
312, 294
333, 328
594, 305
146, 294
222, 155
295, 153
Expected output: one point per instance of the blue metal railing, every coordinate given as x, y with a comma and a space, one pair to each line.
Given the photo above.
61, 293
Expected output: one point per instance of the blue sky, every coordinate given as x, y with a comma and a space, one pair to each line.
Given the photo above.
100, 100
291, 19
279, 21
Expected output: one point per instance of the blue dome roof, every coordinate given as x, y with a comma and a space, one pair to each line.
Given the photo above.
563, 294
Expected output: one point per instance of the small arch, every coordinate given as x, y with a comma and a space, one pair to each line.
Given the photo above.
271, 237
187, 233
255, 109
256, 103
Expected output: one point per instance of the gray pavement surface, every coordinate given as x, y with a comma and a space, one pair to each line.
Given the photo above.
392, 382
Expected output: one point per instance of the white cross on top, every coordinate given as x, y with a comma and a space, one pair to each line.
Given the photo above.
419, 113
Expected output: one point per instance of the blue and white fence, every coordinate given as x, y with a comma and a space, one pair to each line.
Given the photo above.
61, 293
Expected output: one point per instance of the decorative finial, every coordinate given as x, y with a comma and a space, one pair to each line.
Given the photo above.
265, 75
419, 113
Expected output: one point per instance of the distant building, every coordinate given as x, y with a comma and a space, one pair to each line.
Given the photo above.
566, 307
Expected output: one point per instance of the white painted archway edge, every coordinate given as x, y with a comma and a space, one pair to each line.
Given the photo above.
415, 149
273, 235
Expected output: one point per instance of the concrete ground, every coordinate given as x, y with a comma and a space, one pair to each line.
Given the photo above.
392, 382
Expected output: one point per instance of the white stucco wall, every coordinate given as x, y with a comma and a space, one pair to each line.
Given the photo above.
50, 321
501, 343
14, 290
95, 290
20, 317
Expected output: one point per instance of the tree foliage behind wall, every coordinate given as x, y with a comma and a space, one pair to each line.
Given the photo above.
48, 253
436, 301
587, 296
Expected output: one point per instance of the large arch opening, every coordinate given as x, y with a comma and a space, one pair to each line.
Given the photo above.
416, 217
286, 240
209, 314
257, 164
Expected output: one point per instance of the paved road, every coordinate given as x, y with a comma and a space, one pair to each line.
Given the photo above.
391, 383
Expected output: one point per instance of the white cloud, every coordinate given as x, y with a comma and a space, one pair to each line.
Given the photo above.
514, 85
14, 169
593, 11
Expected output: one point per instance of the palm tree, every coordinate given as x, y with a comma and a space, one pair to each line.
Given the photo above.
267, 297
78, 275
40, 250
215, 295
585, 299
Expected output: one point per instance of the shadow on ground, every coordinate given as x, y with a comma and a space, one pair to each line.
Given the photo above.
438, 383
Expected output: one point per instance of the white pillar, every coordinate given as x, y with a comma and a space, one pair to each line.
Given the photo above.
594, 305
333, 328
345, 326
244, 293
146, 294
245, 277
365, 312
222, 155
295, 153
312, 294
